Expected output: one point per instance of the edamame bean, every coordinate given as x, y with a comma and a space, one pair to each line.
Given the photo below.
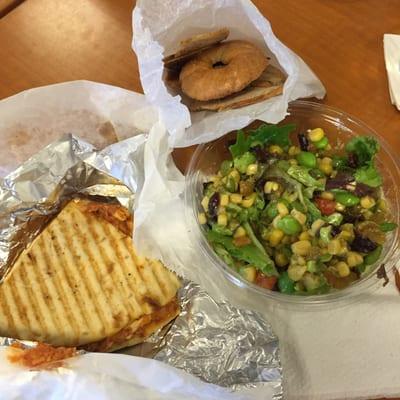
347, 199
289, 225
321, 144
373, 256
271, 210
285, 284
307, 159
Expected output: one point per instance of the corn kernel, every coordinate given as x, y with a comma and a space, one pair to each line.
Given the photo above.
301, 247
202, 218
270, 187
236, 198
354, 259
275, 149
316, 134
282, 209
204, 202
326, 160
368, 214
292, 161
316, 226
382, 205
251, 169
275, 237
222, 220
224, 200
298, 260
367, 202
276, 220
334, 247
247, 202
281, 260
327, 195
299, 216
296, 272
221, 210
304, 236
235, 175
249, 273
346, 235
240, 232
339, 207
343, 269
325, 168
293, 151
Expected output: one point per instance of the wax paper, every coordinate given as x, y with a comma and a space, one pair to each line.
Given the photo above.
97, 113
159, 25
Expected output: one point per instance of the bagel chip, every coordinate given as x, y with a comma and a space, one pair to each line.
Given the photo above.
269, 84
191, 46
81, 284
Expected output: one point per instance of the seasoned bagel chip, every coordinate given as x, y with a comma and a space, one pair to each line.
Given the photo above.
191, 46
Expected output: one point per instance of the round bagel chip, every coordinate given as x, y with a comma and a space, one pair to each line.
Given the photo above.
191, 46
269, 84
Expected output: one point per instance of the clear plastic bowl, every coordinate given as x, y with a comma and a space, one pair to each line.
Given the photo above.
339, 127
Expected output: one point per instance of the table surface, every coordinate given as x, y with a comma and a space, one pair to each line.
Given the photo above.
50, 41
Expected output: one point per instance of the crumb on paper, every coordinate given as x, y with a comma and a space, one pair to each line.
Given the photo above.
40, 356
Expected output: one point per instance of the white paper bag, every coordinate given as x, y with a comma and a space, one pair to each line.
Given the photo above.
159, 26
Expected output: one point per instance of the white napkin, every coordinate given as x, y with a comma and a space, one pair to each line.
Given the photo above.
159, 26
391, 46
108, 377
333, 352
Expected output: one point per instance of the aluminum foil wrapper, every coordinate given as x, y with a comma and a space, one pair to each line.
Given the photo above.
216, 342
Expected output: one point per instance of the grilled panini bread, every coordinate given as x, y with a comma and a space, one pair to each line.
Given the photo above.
80, 283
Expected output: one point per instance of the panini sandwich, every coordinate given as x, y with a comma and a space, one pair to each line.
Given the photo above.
81, 284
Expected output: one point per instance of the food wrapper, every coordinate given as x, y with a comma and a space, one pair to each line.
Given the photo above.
159, 26
247, 365
97, 113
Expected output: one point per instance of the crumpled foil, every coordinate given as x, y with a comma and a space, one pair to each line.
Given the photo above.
216, 342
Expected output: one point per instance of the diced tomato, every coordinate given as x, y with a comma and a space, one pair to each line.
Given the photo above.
267, 282
327, 207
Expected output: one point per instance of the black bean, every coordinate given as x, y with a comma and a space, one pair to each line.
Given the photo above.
261, 154
362, 244
352, 218
317, 193
335, 230
213, 204
352, 160
303, 141
259, 185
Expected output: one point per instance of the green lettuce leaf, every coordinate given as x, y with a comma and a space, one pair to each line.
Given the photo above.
249, 253
368, 175
364, 147
302, 175
264, 135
